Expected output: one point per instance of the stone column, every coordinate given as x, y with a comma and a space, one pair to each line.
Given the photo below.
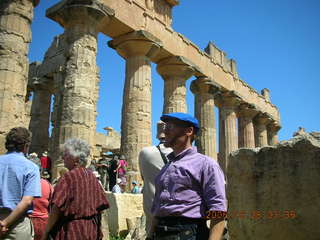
245, 125
82, 23
40, 117
15, 36
175, 71
273, 129
137, 48
204, 92
261, 136
228, 132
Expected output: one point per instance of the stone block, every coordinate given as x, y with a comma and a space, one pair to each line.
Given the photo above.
123, 206
273, 192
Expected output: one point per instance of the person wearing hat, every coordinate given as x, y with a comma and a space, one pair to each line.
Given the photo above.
189, 189
116, 188
103, 166
135, 188
151, 160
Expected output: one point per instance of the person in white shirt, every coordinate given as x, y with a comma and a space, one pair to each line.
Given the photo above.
151, 160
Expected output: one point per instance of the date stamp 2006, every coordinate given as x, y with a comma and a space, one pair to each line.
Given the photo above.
254, 215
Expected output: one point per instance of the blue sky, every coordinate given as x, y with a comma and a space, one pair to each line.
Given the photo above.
276, 44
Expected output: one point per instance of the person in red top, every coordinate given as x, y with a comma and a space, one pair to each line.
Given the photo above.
78, 198
45, 162
39, 216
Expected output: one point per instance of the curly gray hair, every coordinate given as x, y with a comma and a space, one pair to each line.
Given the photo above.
78, 148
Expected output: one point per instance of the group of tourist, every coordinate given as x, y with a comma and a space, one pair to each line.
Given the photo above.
181, 188
111, 171
75, 203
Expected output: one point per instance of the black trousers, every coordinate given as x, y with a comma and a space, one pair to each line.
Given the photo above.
181, 228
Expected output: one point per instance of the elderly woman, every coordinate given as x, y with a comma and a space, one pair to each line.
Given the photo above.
78, 198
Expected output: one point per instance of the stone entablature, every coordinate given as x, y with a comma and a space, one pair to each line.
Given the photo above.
175, 44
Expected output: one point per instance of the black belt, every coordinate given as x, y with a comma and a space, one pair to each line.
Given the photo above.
173, 220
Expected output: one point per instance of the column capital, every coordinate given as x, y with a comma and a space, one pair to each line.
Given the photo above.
137, 43
204, 85
176, 66
247, 110
263, 118
39, 84
228, 99
274, 126
90, 13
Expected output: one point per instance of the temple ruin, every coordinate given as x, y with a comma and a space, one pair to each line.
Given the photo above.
141, 33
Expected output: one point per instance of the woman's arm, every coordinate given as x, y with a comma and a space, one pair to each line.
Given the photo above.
53, 218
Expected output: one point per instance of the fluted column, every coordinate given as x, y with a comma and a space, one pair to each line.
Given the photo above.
175, 71
273, 129
78, 98
228, 132
15, 36
204, 92
245, 125
260, 124
137, 48
40, 117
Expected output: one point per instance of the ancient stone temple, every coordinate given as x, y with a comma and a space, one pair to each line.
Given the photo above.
141, 32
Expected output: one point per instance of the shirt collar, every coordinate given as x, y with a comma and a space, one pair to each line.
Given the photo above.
185, 152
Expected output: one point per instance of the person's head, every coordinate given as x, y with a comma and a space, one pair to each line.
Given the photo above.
45, 154
75, 153
118, 181
180, 129
18, 140
134, 183
122, 157
45, 175
160, 131
62, 171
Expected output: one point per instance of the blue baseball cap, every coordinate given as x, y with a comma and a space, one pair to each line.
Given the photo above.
181, 117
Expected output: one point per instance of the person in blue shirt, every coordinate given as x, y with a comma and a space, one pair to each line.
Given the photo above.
135, 188
19, 184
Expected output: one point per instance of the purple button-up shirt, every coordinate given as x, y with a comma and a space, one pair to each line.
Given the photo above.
189, 185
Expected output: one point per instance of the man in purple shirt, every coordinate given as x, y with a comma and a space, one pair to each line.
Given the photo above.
189, 189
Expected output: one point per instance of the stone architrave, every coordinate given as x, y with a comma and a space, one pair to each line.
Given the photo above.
204, 92
15, 37
246, 114
175, 71
260, 125
228, 132
273, 129
40, 116
137, 48
77, 112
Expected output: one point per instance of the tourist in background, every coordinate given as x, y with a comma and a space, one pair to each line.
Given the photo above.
39, 216
121, 172
135, 188
103, 167
78, 198
20, 183
113, 171
151, 160
45, 162
116, 188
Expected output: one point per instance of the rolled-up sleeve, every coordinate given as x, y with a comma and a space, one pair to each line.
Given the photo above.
213, 185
